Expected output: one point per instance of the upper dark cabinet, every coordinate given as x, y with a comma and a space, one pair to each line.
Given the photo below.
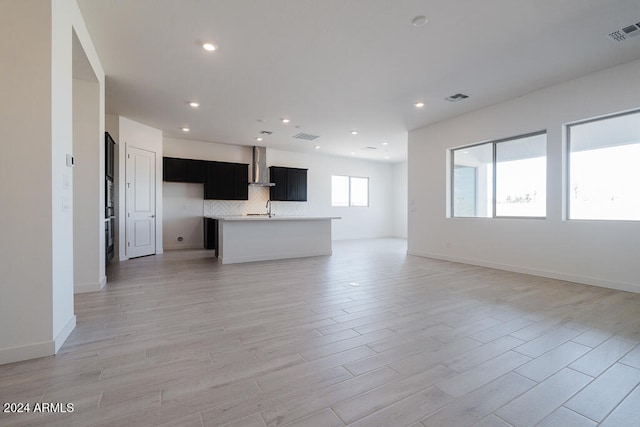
226, 181
278, 176
109, 155
290, 184
183, 170
222, 180
240, 181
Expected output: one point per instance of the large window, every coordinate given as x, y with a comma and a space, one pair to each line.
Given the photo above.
506, 178
349, 191
604, 168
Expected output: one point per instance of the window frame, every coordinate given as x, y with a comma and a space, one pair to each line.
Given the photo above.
350, 203
494, 166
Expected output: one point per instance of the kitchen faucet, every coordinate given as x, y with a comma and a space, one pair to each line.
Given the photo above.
268, 206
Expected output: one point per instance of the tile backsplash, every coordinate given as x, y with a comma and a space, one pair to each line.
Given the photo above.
258, 197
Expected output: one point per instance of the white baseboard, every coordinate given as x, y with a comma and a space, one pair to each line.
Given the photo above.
585, 280
178, 247
39, 349
271, 257
90, 287
27, 352
64, 333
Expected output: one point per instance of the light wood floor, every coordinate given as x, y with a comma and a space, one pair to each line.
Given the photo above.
366, 337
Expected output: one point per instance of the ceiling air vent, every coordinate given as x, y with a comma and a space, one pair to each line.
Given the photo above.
625, 33
369, 148
457, 97
266, 132
305, 136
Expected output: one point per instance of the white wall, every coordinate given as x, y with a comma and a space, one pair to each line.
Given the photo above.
25, 204
594, 252
356, 223
88, 206
182, 209
399, 214
188, 149
36, 199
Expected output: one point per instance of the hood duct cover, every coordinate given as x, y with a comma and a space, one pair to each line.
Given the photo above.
259, 171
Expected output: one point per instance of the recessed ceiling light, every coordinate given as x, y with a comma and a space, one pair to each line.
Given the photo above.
419, 104
419, 20
354, 132
316, 147
353, 153
285, 120
209, 46
194, 104
185, 129
386, 157
258, 139
385, 143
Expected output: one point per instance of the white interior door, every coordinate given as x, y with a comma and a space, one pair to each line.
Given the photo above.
141, 202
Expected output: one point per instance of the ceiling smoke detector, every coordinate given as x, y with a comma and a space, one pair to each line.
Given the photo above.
457, 97
625, 33
419, 20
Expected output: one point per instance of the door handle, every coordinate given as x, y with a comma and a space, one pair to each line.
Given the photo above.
152, 216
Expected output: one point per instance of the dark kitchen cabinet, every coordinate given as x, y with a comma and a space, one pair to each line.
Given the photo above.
278, 176
240, 181
183, 170
226, 181
222, 180
290, 184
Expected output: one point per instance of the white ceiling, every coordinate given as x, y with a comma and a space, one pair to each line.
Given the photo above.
333, 66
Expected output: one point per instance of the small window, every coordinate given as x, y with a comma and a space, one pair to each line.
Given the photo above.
339, 190
604, 171
505, 178
349, 191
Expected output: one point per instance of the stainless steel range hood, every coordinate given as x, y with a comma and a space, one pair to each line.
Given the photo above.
259, 171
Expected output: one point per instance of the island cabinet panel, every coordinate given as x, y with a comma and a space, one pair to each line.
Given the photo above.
291, 184
183, 170
226, 181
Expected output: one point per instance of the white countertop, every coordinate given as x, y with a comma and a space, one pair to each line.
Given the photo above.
273, 217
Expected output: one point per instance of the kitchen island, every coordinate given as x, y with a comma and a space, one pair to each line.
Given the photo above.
261, 238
